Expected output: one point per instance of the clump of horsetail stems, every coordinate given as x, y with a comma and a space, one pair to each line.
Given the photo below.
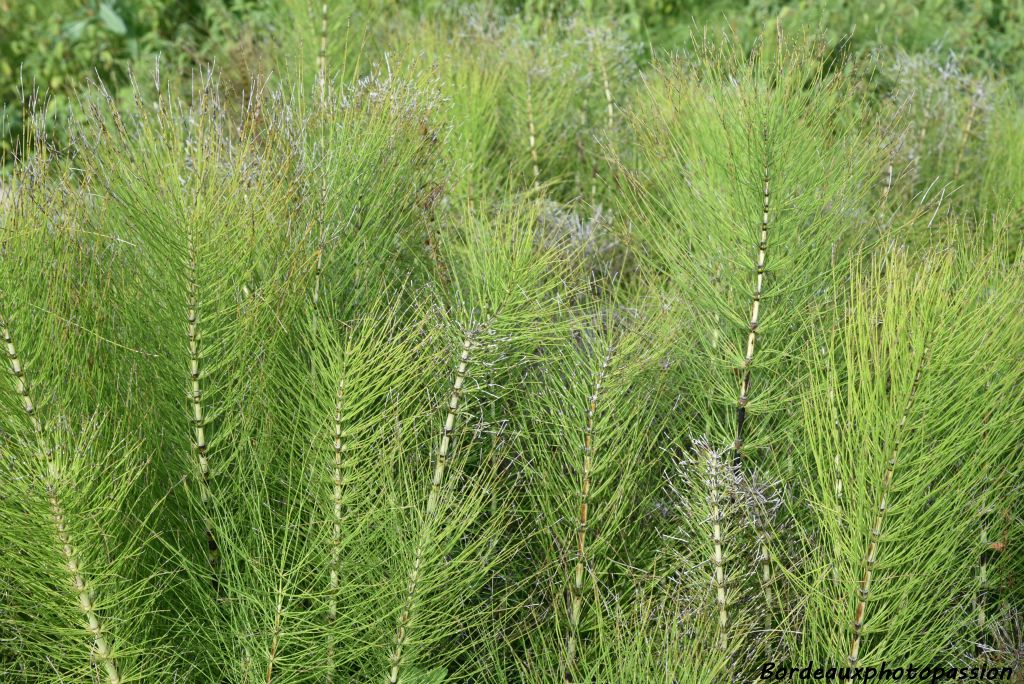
748, 137
430, 510
365, 540
908, 392
101, 648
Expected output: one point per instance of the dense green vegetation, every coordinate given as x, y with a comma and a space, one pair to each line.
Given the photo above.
513, 343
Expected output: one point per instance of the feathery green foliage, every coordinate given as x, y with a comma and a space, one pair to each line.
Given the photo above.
910, 449
475, 352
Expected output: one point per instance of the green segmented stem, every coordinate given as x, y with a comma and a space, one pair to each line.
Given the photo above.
748, 360
198, 418
431, 509
321, 220
339, 478
871, 557
275, 640
755, 315
716, 497
21, 383
576, 601
101, 649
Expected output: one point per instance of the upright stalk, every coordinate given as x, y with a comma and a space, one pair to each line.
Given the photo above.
101, 649
198, 420
322, 57
321, 221
755, 314
275, 638
887, 188
986, 550
339, 477
576, 600
608, 95
715, 500
748, 360
964, 137
871, 557
430, 513
533, 133
610, 110
611, 120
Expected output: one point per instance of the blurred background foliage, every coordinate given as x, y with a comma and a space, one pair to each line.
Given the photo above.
52, 50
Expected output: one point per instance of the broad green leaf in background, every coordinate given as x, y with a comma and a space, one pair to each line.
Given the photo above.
111, 20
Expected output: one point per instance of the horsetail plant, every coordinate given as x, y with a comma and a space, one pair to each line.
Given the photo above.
710, 549
52, 483
431, 507
770, 164
588, 470
773, 162
882, 419
504, 280
75, 571
373, 374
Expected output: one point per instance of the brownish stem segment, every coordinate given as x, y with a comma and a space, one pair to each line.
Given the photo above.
871, 557
275, 639
576, 594
101, 649
430, 513
339, 479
